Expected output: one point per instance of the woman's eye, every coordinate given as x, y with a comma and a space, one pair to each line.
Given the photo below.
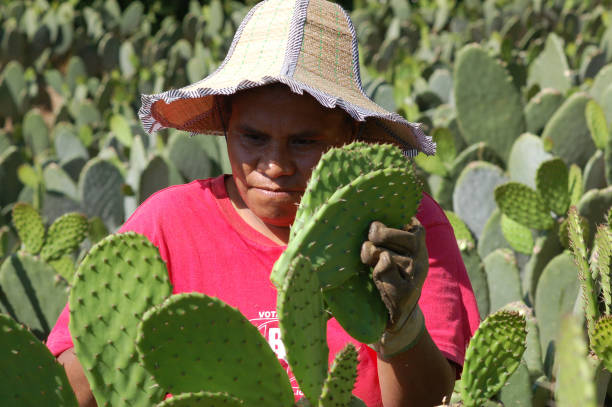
253, 137
304, 141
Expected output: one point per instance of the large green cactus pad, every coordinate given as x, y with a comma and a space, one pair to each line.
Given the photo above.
600, 264
503, 278
338, 388
523, 205
550, 69
33, 293
540, 109
193, 342
575, 376
357, 306
492, 111
333, 237
202, 399
29, 227
493, 354
100, 191
30, 374
337, 168
568, 132
558, 280
473, 195
303, 325
64, 236
121, 277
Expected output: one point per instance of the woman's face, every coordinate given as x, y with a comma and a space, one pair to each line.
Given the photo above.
275, 138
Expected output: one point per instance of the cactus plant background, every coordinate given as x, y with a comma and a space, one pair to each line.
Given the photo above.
517, 94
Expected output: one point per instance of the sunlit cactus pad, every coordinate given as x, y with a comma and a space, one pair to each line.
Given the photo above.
121, 277
303, 324
30, 374
193, 342
493, 354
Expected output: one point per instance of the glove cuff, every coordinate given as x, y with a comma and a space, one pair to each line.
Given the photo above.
401, 338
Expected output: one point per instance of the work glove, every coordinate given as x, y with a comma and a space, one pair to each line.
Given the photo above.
400, 262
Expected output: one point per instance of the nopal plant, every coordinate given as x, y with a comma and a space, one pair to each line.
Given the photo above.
36, 279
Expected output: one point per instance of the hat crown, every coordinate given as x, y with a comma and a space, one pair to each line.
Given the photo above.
308, 45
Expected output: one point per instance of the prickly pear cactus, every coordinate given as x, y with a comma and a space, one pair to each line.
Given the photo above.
30, 374
331, 238
493, 354
193, 342
120, 278
64, 236
202, 399
29, 227
523, 205
303, 326
341, 379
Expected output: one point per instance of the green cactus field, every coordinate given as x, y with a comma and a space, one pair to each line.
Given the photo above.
516, 94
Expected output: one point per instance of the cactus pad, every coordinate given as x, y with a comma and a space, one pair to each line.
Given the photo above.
337, 168
473, 194
493, 354
601, 342
523, 205
568, 132
303, 326
333, 236
540, 109
202, 399
193, 342
100, 186
575, 377
29, 227
503, 278
30, 374
357, 306
341, 379
34, 294
519, 236
558, 280
550, 68
121, 277
64, 236
600, 264
525, 157
552, 180
492, 111
465, 241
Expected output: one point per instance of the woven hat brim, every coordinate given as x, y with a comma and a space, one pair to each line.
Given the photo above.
286, 54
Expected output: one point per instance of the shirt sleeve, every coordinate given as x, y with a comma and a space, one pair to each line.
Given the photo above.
447, 300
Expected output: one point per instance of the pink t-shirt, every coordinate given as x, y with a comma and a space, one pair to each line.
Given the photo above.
210, 249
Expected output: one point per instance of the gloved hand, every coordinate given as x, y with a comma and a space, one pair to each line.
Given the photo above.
400, 262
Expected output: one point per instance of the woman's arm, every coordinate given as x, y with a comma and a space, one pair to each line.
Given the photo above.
77, 379
420, 376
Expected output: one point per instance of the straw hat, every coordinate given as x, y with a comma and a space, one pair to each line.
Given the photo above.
308, 45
